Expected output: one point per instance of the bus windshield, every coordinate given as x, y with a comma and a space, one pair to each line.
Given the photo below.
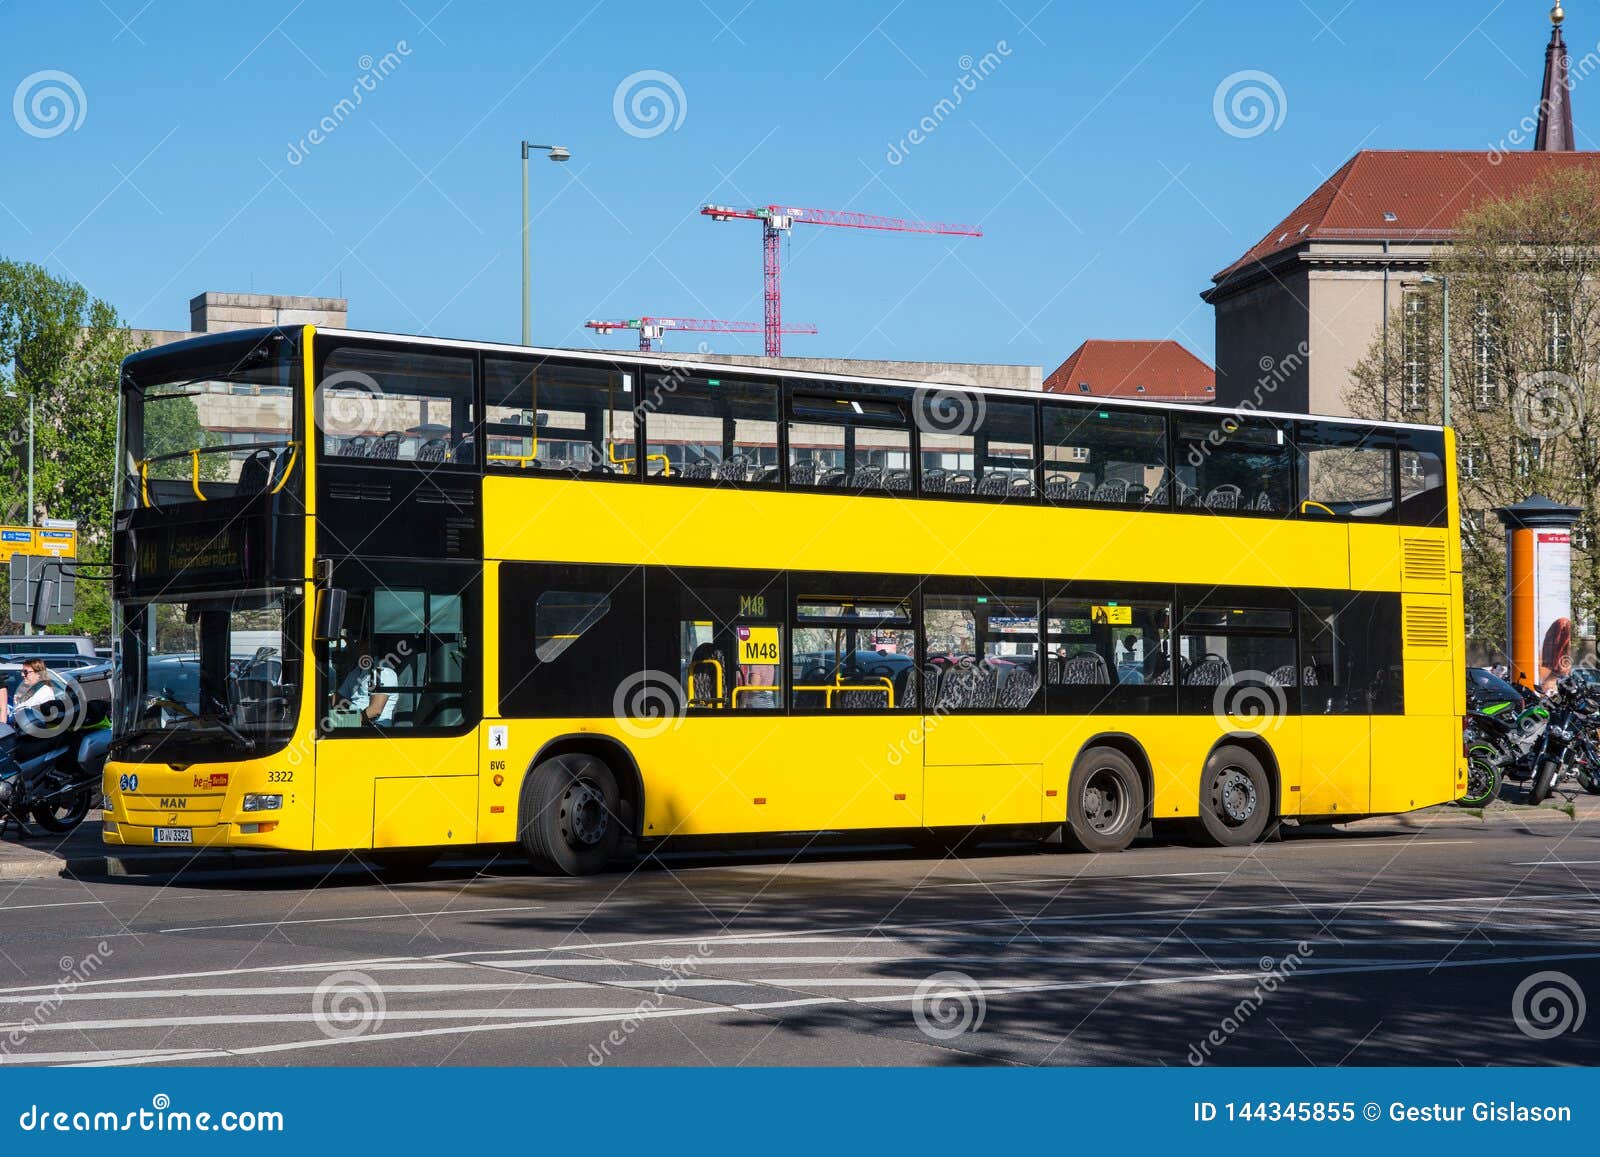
210, 423
213, 677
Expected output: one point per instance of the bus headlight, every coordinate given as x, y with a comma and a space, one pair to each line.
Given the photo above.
262, 803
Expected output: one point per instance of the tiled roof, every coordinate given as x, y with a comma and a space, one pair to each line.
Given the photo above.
1161, 370
1408, 195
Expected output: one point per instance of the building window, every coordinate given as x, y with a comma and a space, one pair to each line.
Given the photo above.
1582, 539
1557, 335
1485, 389
1414, 353
1527, 456
1467, 454
1585, 617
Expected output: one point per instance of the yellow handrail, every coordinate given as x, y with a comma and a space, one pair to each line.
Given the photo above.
1309, 503
294, 457
716, 666
144, 482
828, 689
194, 475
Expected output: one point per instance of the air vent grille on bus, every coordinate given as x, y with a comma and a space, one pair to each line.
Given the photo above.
1424, 559
1427, 627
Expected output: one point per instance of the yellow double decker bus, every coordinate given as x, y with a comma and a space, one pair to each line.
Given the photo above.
397, 595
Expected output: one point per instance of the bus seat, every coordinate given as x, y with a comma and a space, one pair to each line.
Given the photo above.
255, 473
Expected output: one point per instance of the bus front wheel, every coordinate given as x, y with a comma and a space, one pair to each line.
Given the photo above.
1105, 802
571, 821
1235, 799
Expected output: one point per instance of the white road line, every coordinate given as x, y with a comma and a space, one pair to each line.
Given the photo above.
354, 919
1060, 880
1186, 916
840, 1002
495, 1013
110, 1056
1554, 863
60, 904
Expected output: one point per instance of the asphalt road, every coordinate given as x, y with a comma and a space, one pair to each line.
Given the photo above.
1386, 945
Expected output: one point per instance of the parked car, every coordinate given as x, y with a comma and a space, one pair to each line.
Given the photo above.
11, 667
15, 648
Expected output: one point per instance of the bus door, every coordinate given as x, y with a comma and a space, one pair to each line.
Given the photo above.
983, 751
397, 758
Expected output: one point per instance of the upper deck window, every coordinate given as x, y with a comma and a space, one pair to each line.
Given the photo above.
1345, 471
210, 424
383, 405
974, 445
1095, 455
711, 429
1231, 463
550, 416
855, 442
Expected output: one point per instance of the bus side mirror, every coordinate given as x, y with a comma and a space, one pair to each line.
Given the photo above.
330, 614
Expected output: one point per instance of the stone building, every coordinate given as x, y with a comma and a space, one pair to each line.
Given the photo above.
1300, 308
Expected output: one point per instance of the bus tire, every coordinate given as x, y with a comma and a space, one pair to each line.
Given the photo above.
571, 819
1105, 802
1235, 799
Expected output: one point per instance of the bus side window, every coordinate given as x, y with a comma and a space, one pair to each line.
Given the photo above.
854, 654
1350, 654
983, 652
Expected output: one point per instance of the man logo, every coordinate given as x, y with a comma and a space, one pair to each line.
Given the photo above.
174, 802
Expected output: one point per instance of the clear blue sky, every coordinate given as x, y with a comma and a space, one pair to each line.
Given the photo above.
1090, 154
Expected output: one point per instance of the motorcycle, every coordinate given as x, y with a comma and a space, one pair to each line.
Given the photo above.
1565, 750
52, 756
1499, 732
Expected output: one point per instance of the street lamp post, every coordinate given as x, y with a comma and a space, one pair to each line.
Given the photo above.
28, 627
557, 153
1443, 280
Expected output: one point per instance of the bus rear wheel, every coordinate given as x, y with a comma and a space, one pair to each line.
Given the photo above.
571, 820
1235, 799
1105, 802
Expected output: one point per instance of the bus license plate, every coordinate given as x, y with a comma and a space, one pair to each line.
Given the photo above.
174, 836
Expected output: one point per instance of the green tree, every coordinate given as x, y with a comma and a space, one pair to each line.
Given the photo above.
1524, 277
61, 348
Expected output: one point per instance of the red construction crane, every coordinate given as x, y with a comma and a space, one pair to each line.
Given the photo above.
651, 328
777, 220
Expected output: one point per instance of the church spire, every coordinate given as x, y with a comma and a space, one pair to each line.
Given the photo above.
1555, 99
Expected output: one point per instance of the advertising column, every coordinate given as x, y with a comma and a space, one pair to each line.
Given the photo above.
1538, 589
